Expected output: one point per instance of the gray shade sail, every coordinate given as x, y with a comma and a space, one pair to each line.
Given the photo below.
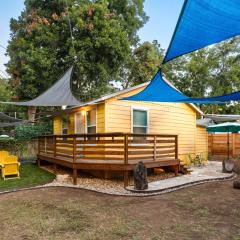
57, 95
6, 118
205, 122
12, 124
7, 121
218, 118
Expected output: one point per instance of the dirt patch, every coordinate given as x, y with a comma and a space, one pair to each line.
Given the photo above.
209, 211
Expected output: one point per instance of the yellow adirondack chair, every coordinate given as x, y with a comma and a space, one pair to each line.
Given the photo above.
10, 167
3, 155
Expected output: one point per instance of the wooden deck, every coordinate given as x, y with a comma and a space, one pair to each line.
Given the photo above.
109, 151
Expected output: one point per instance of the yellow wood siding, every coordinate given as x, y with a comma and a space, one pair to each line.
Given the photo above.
164, 118
100, 118
57, 125
57, 121
202, 142
71, 123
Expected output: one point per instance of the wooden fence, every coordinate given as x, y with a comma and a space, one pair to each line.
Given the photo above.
217, 144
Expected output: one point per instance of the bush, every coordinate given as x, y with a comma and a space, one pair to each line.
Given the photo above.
11, 145
30, 132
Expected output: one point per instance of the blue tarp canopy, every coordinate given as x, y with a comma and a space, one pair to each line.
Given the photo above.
160, 90
202, 23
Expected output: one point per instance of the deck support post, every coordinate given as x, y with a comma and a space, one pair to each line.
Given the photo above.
176, 147
74, 176
176, 168
55, 168
126, 178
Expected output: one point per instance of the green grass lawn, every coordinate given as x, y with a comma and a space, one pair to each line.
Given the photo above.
30, 175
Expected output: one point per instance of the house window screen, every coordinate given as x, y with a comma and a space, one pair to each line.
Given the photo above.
140, 121
91, 121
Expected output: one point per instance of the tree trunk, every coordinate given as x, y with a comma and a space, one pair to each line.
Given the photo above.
31, 114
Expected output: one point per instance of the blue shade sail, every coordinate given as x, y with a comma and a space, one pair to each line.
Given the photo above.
202, 23
235, 96
160, 90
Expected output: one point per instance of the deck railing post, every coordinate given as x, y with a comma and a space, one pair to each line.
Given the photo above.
74, 161
74, 149
125, 159
54, 147
176, 147
126, 149
155, 148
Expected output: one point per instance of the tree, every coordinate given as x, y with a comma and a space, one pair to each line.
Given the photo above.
41, 47
142, 66
5, 94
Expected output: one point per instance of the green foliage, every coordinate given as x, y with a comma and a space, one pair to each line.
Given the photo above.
11, 145
5, 94
41, 48
29, 132
143, 64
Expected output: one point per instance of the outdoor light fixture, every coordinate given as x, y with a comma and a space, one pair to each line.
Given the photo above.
64, 107
83, 112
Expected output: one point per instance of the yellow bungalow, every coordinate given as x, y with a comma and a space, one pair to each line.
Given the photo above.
109, 134
108, 114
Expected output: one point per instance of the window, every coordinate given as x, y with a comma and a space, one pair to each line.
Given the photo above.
91, 121
140, 121
65, 121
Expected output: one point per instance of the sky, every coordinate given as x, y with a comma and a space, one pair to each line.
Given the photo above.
163, 15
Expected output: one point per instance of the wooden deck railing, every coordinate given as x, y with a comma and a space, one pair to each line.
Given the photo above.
109, 151
113, 148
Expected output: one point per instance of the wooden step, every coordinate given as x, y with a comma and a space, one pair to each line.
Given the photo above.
158, 170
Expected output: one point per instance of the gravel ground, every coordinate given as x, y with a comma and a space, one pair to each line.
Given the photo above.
165, 182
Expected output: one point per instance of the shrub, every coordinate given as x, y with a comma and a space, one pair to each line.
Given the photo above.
11, 145
30, 132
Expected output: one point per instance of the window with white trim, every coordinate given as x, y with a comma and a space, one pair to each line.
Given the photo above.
140, 121
91, 121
